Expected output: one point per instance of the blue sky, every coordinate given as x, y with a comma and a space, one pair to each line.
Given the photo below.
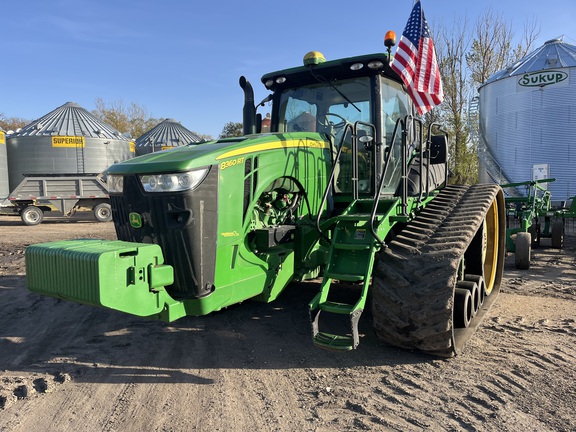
182, 59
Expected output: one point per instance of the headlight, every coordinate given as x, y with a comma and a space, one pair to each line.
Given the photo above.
115, 183
173, 182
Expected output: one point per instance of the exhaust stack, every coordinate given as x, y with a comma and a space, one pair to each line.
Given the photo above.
249, 110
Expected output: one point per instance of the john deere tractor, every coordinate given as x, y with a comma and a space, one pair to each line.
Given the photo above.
348, 186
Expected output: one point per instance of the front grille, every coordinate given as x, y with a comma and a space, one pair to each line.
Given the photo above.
183, 224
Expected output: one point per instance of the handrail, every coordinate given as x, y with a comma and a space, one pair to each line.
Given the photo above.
424, 192
331, 181
402, 123
355, 139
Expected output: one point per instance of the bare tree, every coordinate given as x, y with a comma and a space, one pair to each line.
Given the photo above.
529, 36
467, 57
133, 119
492, 47
12, 123
452, 47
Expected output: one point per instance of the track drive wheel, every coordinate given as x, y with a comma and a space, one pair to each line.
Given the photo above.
493, 247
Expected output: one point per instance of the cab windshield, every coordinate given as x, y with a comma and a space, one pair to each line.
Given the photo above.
325, 107
328, 107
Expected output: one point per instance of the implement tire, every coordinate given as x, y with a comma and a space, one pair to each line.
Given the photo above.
557, 235
523, 250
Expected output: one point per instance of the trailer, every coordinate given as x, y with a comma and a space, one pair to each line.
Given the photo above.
38, 194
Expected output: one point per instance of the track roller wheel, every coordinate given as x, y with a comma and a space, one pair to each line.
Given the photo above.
474, 294
479, 280
462, 308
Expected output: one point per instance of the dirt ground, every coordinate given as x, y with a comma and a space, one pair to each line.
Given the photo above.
253, 367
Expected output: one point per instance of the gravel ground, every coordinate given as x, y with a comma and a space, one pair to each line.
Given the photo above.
65, 366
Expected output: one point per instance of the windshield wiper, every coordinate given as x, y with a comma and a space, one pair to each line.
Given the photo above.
333, 87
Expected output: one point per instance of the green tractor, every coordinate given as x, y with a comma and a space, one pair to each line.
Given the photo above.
348, 185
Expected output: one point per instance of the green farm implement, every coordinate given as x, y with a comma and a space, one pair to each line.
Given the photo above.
528, 210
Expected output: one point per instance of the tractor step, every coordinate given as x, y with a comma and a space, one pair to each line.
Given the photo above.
334, 342
335, 307
345, 277
350, 259
356, 217
351, 246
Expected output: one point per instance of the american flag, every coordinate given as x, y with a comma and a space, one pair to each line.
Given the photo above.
415, 62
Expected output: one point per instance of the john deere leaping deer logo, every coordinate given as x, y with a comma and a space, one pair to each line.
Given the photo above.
135, 220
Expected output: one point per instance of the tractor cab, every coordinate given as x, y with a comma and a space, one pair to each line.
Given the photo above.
356, 104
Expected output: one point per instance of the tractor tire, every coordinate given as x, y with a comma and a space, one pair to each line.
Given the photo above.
103, 212
557, 235
415, 277
32, 215
523, 250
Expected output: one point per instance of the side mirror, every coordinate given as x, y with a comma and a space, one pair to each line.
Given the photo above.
438, 149
367, 141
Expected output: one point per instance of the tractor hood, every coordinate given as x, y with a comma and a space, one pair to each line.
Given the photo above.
189, 157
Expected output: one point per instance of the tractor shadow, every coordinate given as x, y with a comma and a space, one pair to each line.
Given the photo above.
46, 335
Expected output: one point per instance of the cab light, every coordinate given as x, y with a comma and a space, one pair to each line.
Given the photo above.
356, 66
375, 64
173, 182
390, 39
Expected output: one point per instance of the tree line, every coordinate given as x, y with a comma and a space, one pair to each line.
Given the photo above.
468, 54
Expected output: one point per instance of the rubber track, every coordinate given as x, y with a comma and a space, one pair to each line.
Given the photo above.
414, 278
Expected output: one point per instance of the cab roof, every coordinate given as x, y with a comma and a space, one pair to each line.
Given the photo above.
333, 70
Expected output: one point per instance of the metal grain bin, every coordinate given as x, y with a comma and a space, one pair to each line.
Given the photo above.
528, 120
4, 189
164, 136
68, 140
